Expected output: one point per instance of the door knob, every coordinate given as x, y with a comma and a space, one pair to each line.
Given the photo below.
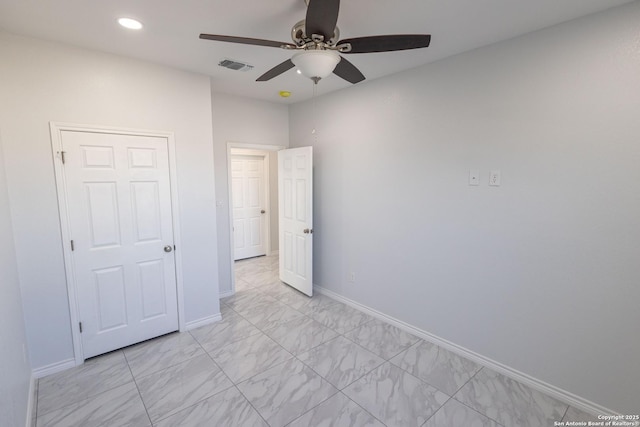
263, 211
168, 248
308, 231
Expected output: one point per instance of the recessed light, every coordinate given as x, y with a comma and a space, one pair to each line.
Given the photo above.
129, 23
298, 71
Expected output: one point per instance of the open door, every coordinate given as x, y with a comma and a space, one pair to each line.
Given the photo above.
295, 194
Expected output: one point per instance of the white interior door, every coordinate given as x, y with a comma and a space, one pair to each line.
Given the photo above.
248, 195
119, 207
295, 200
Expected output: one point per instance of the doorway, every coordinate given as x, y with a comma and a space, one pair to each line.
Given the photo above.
244, 162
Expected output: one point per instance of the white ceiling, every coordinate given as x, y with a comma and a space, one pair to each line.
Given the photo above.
171, 29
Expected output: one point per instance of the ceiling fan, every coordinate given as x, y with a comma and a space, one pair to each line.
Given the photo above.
317, 40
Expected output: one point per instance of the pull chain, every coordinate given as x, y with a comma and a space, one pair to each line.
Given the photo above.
314, 131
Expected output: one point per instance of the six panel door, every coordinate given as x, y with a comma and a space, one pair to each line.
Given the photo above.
119, 206
248, 195
295, 200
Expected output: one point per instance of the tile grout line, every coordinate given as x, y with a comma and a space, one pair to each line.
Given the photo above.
315, 406
294, 356
452, 397
306, 350
467, 382
417, 343
84, 397
380, 356
384, 360
276, 325
343, 334
358, 405
474, 409
340, 334
366, 373
388, 360
251, 404
236, 385
271, 367
203, 399
144, 405
168, 366
340, 390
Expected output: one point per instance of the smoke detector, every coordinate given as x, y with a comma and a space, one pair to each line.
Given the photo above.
235, 65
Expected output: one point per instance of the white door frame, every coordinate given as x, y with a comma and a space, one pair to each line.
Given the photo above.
56, 129
249, 149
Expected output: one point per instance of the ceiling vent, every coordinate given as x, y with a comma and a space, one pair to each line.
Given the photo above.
235, 65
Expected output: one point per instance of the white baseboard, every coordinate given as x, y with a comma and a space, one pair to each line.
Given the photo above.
203, 322
226, 294
31, 403
536, 384
274, 253
54, 368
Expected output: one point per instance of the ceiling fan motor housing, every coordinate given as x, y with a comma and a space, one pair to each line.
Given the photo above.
300, 37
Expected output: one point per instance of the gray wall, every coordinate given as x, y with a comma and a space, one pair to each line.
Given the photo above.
43, 82
15, 372
237, 119
540, 274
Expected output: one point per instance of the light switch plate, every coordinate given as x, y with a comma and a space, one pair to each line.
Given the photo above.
494, 178
474, 177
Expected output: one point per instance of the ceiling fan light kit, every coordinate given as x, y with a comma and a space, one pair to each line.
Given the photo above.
317, 37
316, 64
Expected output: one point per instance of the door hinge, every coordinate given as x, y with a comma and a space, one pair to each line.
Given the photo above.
80, 324
73, 247
62, 153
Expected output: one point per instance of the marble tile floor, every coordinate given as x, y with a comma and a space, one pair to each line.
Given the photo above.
279, 358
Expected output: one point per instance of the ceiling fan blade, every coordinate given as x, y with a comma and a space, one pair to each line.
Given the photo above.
348, 71
276, 71
322, 17
387, 43
245, 40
